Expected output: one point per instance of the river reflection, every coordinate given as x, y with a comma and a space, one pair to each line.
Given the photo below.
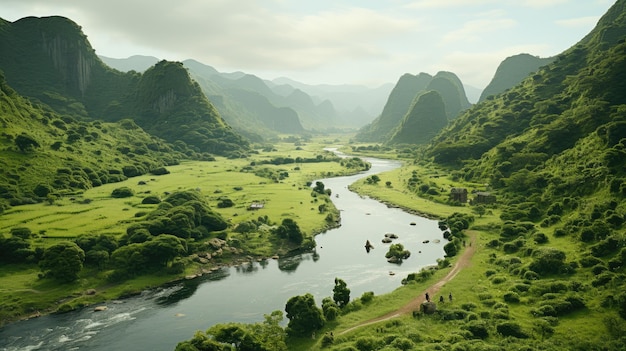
159, 319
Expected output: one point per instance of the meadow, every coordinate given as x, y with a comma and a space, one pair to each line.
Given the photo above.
94, 211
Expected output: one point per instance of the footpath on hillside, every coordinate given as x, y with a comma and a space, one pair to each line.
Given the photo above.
414, 305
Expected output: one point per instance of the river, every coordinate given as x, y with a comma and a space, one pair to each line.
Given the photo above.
160, 318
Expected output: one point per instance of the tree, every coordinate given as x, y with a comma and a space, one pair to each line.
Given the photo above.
289, 229
373, 179
319, 187
163, 249
480, 210
304, 316
63, 261
25, 142
450, 249
341, 293
397, 253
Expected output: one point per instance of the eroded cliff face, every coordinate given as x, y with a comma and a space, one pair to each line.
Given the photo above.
165, 101
71, 59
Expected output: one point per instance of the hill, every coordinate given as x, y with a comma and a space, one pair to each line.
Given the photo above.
51, 61
401, 98
44, 154
424, 120
512, 71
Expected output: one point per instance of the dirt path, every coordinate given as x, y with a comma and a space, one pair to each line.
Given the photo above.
462, 262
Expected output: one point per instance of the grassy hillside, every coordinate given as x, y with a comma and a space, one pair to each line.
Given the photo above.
45, 155
424, 120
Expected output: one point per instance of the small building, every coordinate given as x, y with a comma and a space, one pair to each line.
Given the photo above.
458, 194
484, 197
256, 206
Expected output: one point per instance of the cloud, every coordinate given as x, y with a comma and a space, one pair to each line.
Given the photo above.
438, 4
475, 30
540, 4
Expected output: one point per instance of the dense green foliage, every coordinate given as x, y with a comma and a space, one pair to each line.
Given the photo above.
426, 117
304, 316
512, 71
62, 155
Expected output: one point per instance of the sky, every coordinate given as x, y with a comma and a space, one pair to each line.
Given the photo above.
368, 42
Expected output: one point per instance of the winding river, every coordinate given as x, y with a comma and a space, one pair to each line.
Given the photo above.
159, 319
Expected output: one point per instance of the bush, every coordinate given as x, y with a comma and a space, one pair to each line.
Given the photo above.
367, 296
478, 329
160, 171
369, 343
152, 199
540, 238
511, 329
122, 192
511, 297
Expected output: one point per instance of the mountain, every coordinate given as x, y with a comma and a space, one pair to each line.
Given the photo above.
242, 101
565, 123
401, 98
512, 71
424, 120
44, 154
397, 105
50, 60
356, 105
452, 92
223, 89
138, 63
473, 93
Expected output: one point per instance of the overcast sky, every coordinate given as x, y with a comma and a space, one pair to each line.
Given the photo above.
329, 41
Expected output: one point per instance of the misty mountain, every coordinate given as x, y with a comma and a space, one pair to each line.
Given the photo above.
138, 63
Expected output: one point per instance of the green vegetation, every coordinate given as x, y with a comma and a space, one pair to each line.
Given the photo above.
541, 166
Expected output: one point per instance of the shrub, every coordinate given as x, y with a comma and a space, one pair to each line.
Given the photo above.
511, 329
21, 232
498, 279
160, 171
369, 343
225, 203
478, 329
511, 297
122, 192
540, 238
152, 199
367, 296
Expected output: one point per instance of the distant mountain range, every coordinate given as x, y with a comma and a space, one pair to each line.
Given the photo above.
316, 107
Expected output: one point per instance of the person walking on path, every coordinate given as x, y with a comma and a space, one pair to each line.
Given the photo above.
427, 298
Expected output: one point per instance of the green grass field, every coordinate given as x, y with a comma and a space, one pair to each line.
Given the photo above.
95, 212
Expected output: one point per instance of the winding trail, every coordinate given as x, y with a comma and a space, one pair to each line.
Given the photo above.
413, 305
